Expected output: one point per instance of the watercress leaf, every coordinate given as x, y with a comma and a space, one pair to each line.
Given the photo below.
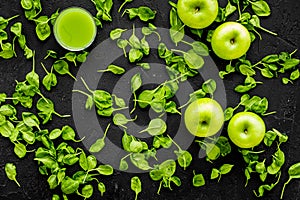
246, 70
105, 170
146, 13
214, 173
144, 65
97, 146
193, 60
273, 58
198, 180
266, 73
16, 28
171, 107
294, 170
82, 56
269, 138
116, 33
136, 82
139, 160
11, 172
20, 150
229, 9
177, 33
120, 102
101, 188
83, 161
62, 68
123, 165
224, 145
68, 133
209, 86
295, 75
30, 120
290, 63
156, 127
116, 69
225, 168
43, 30
228, 113
261, 8
145, 46
87, 191
69, 186
49, 81
212, 151
52, 181
27, 4
136, 185
135, 55
184, 158
92, 162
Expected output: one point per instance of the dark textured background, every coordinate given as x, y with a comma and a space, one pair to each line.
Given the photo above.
284, 99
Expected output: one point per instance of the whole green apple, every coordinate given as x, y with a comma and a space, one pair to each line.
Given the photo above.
246, 129
204, 117
230, 40
197, 14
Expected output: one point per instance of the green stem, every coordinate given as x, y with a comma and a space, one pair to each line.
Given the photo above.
159, 188
86, 86
61, 116
134, 103
266, 30
282, 191
44, 68
269, 113
102, 70
159, 38
122, 5
33, 61
175, 143
106, 130
81, 92
293, 52
12, 17
72, 76
258, 63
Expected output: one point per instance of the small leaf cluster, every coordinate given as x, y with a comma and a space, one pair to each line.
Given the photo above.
254, 104
261, 167
32, 9
103, 11
144, 13
138, 47
215, 148
8, 48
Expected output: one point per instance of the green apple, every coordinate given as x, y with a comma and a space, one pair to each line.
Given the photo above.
204, 117
230, 40
197, 14
246, 129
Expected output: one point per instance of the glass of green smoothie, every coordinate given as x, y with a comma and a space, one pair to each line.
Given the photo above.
75, 29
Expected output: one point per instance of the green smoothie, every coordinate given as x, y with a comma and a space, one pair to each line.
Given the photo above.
75, 29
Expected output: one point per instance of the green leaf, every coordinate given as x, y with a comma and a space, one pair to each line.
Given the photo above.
69, 186
214, 173
261, 8
11, 172
156, 127
193, 60
225, 168
136, 82
136, 185
198, 180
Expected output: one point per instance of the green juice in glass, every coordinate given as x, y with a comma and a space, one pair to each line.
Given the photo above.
75, 29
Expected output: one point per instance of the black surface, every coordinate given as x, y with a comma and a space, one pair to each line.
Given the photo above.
284, 99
